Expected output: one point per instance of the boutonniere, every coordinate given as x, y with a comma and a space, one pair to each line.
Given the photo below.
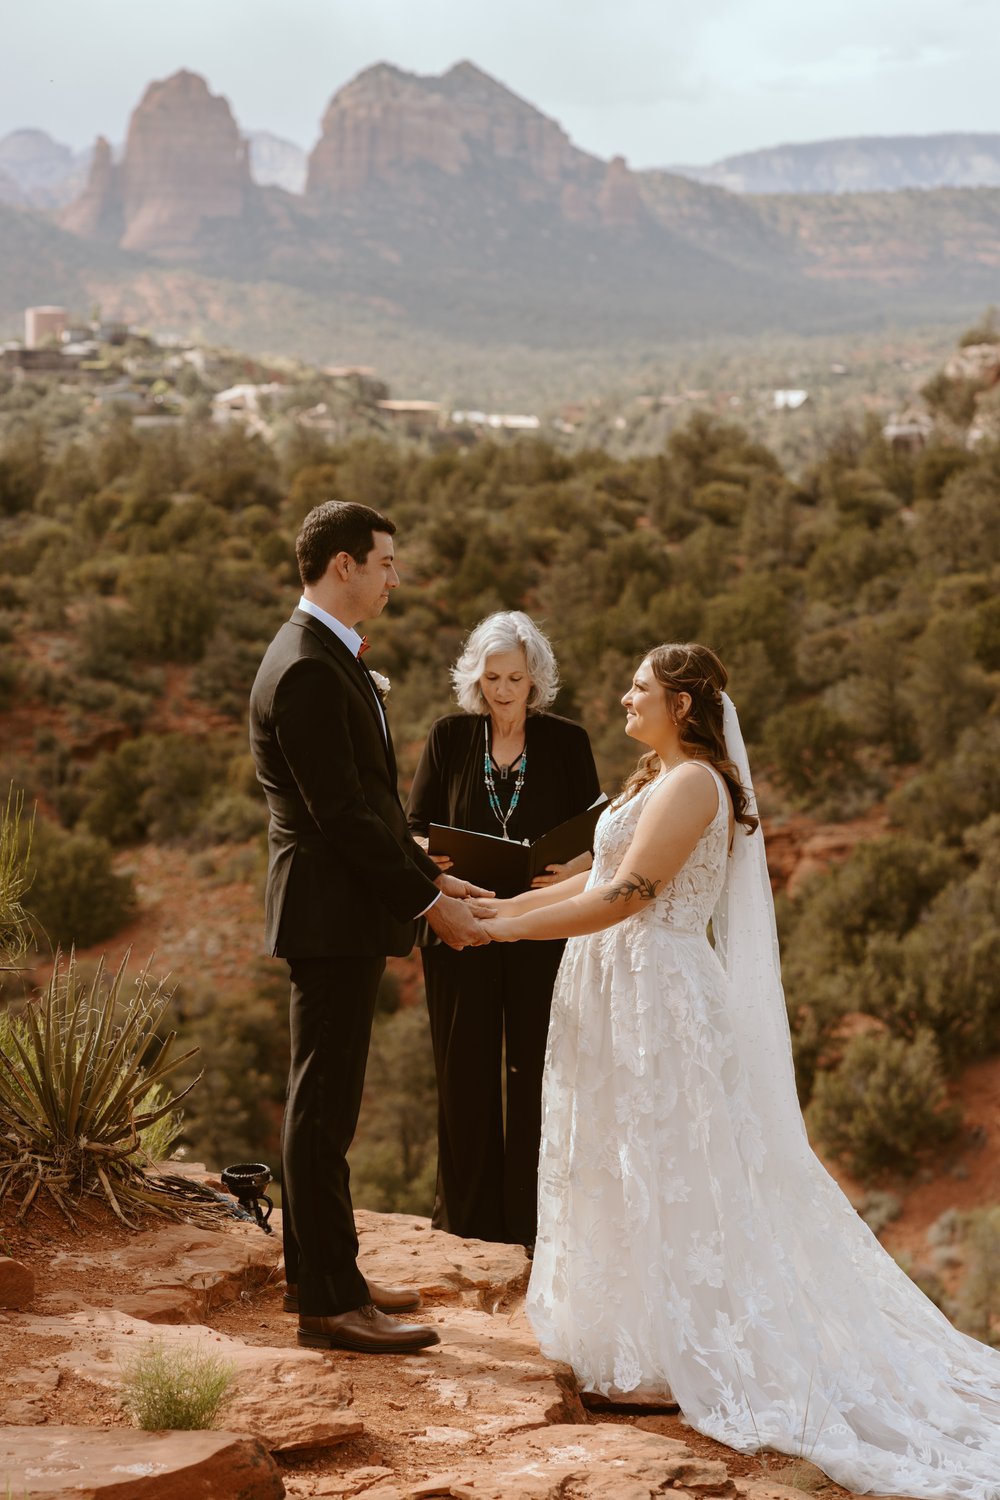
382, 683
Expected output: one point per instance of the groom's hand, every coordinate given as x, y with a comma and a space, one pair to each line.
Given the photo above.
463, 889
452, 920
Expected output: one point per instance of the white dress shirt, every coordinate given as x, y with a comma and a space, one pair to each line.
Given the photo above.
353, 642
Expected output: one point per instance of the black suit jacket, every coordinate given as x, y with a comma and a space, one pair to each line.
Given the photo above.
344, 876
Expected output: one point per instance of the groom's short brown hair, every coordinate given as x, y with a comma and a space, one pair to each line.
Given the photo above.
337, 526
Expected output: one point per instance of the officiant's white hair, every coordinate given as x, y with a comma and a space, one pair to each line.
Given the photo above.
507, 630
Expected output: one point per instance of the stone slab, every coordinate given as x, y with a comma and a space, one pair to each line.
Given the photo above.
290, 1398
403, 1250
210, 1267
17, 1283
603, 1461
488, 1376
52, 1463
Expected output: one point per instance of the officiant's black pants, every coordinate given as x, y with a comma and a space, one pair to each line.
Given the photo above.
330, 1021
489, 1016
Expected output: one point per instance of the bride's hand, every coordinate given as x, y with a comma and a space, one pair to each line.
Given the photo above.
500, 929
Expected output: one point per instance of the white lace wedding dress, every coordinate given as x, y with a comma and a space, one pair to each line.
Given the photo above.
683, 1245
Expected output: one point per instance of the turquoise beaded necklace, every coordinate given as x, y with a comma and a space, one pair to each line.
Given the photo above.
503, 818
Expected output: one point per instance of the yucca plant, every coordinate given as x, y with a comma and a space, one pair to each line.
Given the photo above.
15, 849
77, 1097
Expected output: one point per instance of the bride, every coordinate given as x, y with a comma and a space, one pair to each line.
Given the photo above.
688, 1238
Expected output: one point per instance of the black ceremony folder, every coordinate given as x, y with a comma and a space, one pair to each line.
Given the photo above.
508, 868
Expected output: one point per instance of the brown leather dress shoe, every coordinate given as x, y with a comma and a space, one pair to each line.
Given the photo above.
365, 1330
388, 1299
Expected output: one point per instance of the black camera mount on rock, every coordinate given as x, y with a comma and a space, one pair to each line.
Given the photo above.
247, 1181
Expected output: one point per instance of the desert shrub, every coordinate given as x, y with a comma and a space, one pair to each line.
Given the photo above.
879, 1209
174, 606
936, 465
849, 559
812, 752
106, 643
232, 818
152, 787
944, 800
953, 399
944, 973
224, 676
758, 609
978, 1310
22, 471
960, 530
75, 896
872, 696
175, 1388
242, 1042
944, 676
884, 1106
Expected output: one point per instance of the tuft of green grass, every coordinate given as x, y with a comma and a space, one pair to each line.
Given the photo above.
182, 1389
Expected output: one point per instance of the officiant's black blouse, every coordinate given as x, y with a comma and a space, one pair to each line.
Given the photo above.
560, 778
489, 1006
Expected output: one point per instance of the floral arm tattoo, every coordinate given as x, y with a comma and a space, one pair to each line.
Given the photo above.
639, 886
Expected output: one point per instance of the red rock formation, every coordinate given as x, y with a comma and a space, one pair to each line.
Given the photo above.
97, 213
185, 162
619, 201
386, 121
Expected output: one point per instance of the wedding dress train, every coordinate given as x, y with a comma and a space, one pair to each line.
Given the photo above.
690, 1240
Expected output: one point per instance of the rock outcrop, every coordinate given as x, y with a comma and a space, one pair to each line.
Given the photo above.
185, 167
97, 213
88, 1464
17, 1283
185, 162
482, 1416
386, 124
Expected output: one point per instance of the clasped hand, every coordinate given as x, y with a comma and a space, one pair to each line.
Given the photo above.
457, 916
497, 920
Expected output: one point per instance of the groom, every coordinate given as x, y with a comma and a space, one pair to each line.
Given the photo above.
345, 883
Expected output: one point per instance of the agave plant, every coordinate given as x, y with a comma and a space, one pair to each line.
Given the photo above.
77, 1095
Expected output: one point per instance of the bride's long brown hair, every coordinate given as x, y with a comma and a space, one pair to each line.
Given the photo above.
696, 670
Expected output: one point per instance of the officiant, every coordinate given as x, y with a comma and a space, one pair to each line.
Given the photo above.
507, 767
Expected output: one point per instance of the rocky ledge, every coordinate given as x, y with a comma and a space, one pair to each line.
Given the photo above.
482, 1417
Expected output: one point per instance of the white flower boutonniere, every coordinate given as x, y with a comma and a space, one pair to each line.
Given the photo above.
382, 683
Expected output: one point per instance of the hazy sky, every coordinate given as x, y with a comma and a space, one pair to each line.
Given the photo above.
657, 81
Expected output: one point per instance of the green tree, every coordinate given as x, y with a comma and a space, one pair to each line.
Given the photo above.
885, 1107
75, 896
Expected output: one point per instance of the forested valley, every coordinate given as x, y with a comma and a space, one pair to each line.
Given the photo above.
855, 602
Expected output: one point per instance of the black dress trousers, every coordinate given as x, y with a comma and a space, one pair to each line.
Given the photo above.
484, 1003
330, 1020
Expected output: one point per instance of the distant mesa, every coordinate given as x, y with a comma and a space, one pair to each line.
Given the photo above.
859, 164
185, 165
39, 172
